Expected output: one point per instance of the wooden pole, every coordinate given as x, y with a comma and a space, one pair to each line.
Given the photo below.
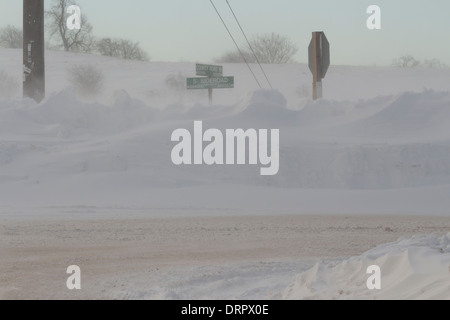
314, 64
317, 67
210, 91
33, 50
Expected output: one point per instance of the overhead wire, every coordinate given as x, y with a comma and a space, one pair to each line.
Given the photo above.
237, 46
249, 44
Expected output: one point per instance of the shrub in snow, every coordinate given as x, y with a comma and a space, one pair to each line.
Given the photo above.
176, 82
8, 85
88, 79
408, 61
434, 63
122, 48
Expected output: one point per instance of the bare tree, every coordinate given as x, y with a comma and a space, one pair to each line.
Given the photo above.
274, 48
236, 57
176, 82
121, 48
71, 40
11, 37
268, 48
406, 61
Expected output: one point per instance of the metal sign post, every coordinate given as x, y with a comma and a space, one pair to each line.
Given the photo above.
213, 79
33, 50
210, 90
319, 61
209, 71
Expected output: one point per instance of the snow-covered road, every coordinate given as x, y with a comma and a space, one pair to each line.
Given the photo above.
204, 257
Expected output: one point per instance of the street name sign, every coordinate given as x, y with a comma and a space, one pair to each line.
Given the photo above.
210, 83
209, 70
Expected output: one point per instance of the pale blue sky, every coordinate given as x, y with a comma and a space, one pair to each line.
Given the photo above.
189, 30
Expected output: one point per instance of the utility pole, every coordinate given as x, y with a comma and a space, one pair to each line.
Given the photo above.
33, 50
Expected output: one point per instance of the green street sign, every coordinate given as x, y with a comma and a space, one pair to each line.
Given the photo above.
209, 70
210, 83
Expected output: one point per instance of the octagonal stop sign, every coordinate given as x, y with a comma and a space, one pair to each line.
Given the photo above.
319, 55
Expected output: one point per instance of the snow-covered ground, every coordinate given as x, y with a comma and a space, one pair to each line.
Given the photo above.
413, 268
224, 256
377, 144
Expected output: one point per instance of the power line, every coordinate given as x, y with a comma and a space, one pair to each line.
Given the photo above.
237, 46
250, 46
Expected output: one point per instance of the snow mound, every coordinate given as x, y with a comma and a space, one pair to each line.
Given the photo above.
422, 114
131, 141
70, 115
384, 139
414, 268
266, 108
265, 99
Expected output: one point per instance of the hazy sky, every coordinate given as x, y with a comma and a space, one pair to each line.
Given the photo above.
190, 30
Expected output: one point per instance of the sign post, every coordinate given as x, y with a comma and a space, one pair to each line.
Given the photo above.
212, 79
33, 50
319, 61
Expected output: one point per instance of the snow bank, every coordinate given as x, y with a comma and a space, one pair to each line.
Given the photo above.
413, 116
378, 143
124, 148
391, 139
65, 111
414, 268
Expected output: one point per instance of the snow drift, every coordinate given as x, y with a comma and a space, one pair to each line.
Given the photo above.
414, 268
381, 151
379, 143
119, 147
